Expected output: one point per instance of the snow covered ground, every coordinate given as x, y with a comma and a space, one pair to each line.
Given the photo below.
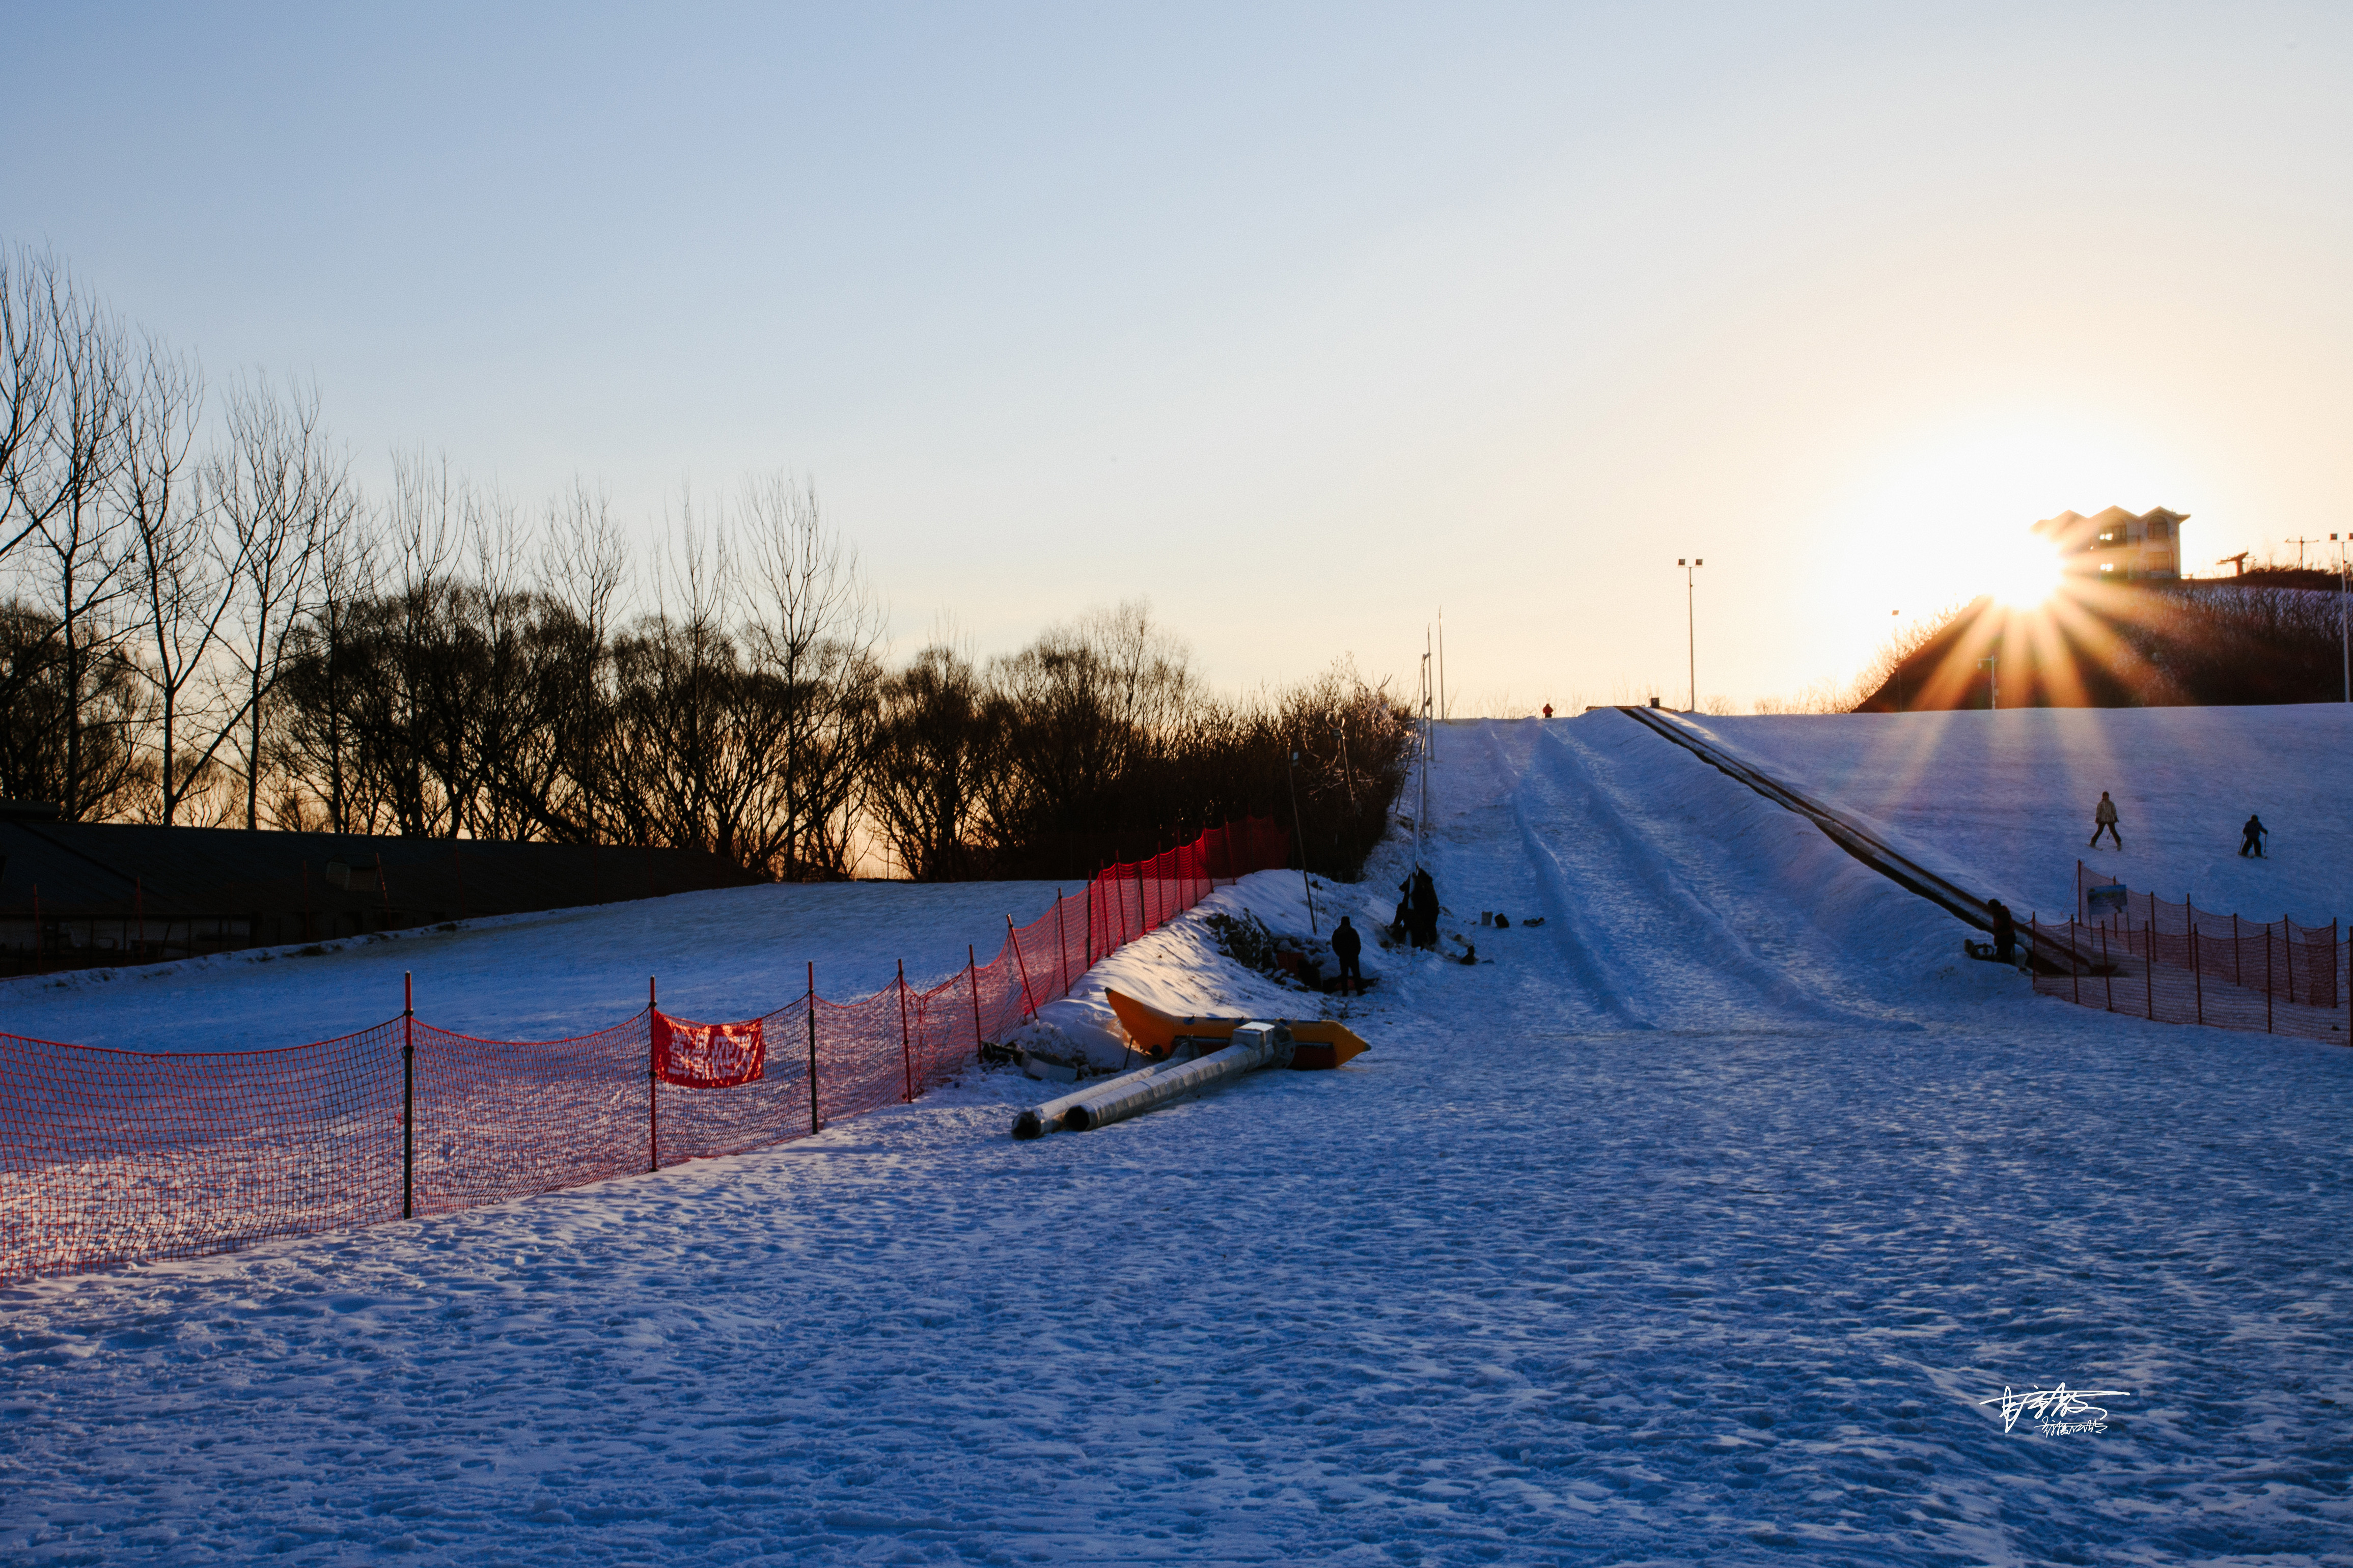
731, 952
1695, 1226
2004, 800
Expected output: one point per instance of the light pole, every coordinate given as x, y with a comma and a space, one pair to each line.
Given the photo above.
1690, 631
2344, 640
1992, 666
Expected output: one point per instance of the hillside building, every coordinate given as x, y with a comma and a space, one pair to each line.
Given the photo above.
2118, 546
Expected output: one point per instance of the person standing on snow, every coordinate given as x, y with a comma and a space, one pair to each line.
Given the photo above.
1425, 909
2251, 841
2005, 930
2103, 820
1345, 947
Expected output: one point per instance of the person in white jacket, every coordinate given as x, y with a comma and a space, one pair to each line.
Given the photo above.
2103, 820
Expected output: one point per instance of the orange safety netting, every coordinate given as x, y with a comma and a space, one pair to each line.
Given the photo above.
2174, 963
109, 1156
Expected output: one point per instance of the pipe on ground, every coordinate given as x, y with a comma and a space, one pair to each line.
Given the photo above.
1253, 1046
1038, 1121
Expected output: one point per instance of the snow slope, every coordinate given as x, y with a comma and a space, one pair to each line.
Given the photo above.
2003, 800
730, 952
1695, 1226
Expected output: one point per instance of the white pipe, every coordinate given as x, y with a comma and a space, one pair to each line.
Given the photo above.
1040, 1120
1253, 1046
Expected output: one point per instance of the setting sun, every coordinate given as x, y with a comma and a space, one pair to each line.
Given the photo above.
2021, 570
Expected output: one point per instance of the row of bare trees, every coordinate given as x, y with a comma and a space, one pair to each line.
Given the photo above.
206, 622
154, 582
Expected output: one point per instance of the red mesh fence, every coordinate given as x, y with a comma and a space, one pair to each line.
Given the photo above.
2178, 963
109, 1156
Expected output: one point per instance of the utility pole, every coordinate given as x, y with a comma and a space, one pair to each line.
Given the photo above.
1691, 626
2344, 639
1991, 665
2299, 545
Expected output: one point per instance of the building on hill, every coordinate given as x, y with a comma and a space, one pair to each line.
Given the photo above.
2116, 545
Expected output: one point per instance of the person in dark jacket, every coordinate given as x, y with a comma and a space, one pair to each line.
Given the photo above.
1425, 909
1345, 947
2251, 837
2005, 931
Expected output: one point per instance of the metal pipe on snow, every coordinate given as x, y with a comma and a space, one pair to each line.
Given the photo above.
1253, 1046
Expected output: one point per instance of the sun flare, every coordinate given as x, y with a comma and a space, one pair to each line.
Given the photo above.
2022, 570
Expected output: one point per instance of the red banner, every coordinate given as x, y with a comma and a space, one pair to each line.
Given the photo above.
708, 1056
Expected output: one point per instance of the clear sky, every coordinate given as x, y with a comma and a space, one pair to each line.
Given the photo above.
1303, 322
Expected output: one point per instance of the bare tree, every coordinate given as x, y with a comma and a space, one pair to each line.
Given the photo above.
76, 454
28, 285
184, 581
931, 741
281, 491
818, 640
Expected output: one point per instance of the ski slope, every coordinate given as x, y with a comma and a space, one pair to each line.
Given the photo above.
1695, 1224
2003, 801
727, 953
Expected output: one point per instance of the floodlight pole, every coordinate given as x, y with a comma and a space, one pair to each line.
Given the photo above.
1691, 626
2344, 639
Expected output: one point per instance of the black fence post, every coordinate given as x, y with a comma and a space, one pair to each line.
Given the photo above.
815, 1125
407, 1095
653, 1085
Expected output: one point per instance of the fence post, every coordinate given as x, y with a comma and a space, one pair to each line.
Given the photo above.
407, 1095
653, 1088
906, 1046
972, 973
2267, 980
2148, 964
2076, 959
1061, 945
2108, 968
2197, 975
1143, 901
814, 1124
1028, 999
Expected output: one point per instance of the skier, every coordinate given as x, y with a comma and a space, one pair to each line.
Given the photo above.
1424, 899
2005, 931
2103, 820
1547, 710
1345, 947
2251, 841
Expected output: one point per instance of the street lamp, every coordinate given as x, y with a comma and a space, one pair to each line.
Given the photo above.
1691, 633
2344, 640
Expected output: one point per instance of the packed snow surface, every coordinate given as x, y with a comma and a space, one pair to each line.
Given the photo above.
1697, 1223
729, 952
2004, 800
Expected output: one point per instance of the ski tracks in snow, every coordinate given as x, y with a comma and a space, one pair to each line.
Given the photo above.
1647, 893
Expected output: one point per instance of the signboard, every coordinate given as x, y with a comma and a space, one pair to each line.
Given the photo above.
708, 1056
2105, 902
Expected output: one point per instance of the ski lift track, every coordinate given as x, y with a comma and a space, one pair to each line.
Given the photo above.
1901, 870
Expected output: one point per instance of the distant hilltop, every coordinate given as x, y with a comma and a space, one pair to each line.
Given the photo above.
2269, 635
